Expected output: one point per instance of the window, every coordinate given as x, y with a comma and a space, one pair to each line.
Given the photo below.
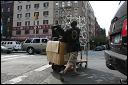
2, 42
8, 19
46, 4
37, 31
44, 40
26, 31
18, 23
27, 23
57, 3
19, 15
45, 31
19, 8
27, 15
37, 22
69, 3
36, 15
9, 43
75, 1
34, 31
8, 9
36, 41
34, 23
45, 13
45, 21
36, 6
2, 10
56, 22
28, 6
18, 32
28, 40
63, 4
57, 12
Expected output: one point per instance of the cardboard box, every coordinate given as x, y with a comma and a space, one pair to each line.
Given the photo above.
56, 52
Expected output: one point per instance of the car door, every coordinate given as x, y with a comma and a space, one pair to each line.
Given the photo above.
36, 44
43, 45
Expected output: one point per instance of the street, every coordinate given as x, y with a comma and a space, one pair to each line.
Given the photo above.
22, 68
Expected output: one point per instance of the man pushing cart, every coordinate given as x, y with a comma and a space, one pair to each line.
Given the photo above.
68, 47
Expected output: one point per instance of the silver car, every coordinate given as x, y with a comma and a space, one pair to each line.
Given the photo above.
5, 50
33, 45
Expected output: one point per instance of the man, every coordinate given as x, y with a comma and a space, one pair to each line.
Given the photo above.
73, 46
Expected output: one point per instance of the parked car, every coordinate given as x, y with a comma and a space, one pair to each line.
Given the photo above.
14, 45
116, 54
103, 47
99, 48
32, 45
5, 50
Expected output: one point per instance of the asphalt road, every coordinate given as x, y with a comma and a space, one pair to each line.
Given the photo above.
22, 68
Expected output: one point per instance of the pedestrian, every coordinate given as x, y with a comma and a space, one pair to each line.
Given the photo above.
73, 47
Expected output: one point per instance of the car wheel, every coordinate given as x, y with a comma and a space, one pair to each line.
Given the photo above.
30, 50
8, 52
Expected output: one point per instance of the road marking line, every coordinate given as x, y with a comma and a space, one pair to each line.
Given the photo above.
15, 80
6, 56
43, 68
13, 58
20, 78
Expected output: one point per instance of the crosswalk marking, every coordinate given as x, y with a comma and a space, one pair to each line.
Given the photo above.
15, 80
6, 56
9, 57
43, 68
13, 58
20, 78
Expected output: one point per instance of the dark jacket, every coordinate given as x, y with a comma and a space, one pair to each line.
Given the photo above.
72, 39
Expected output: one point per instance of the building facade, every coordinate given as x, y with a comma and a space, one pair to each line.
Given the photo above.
6, 19
35, 18
32, 19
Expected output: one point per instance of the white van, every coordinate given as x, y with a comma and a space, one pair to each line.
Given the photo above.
14, 45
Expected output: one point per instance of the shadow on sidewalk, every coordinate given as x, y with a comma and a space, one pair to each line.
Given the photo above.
89, 76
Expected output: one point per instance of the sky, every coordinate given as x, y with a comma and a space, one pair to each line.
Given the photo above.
104, 11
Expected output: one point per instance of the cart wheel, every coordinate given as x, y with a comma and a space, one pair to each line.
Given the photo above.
57, 68
86, 65
83, 65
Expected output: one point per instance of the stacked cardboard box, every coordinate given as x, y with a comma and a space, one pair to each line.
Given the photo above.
56, 52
